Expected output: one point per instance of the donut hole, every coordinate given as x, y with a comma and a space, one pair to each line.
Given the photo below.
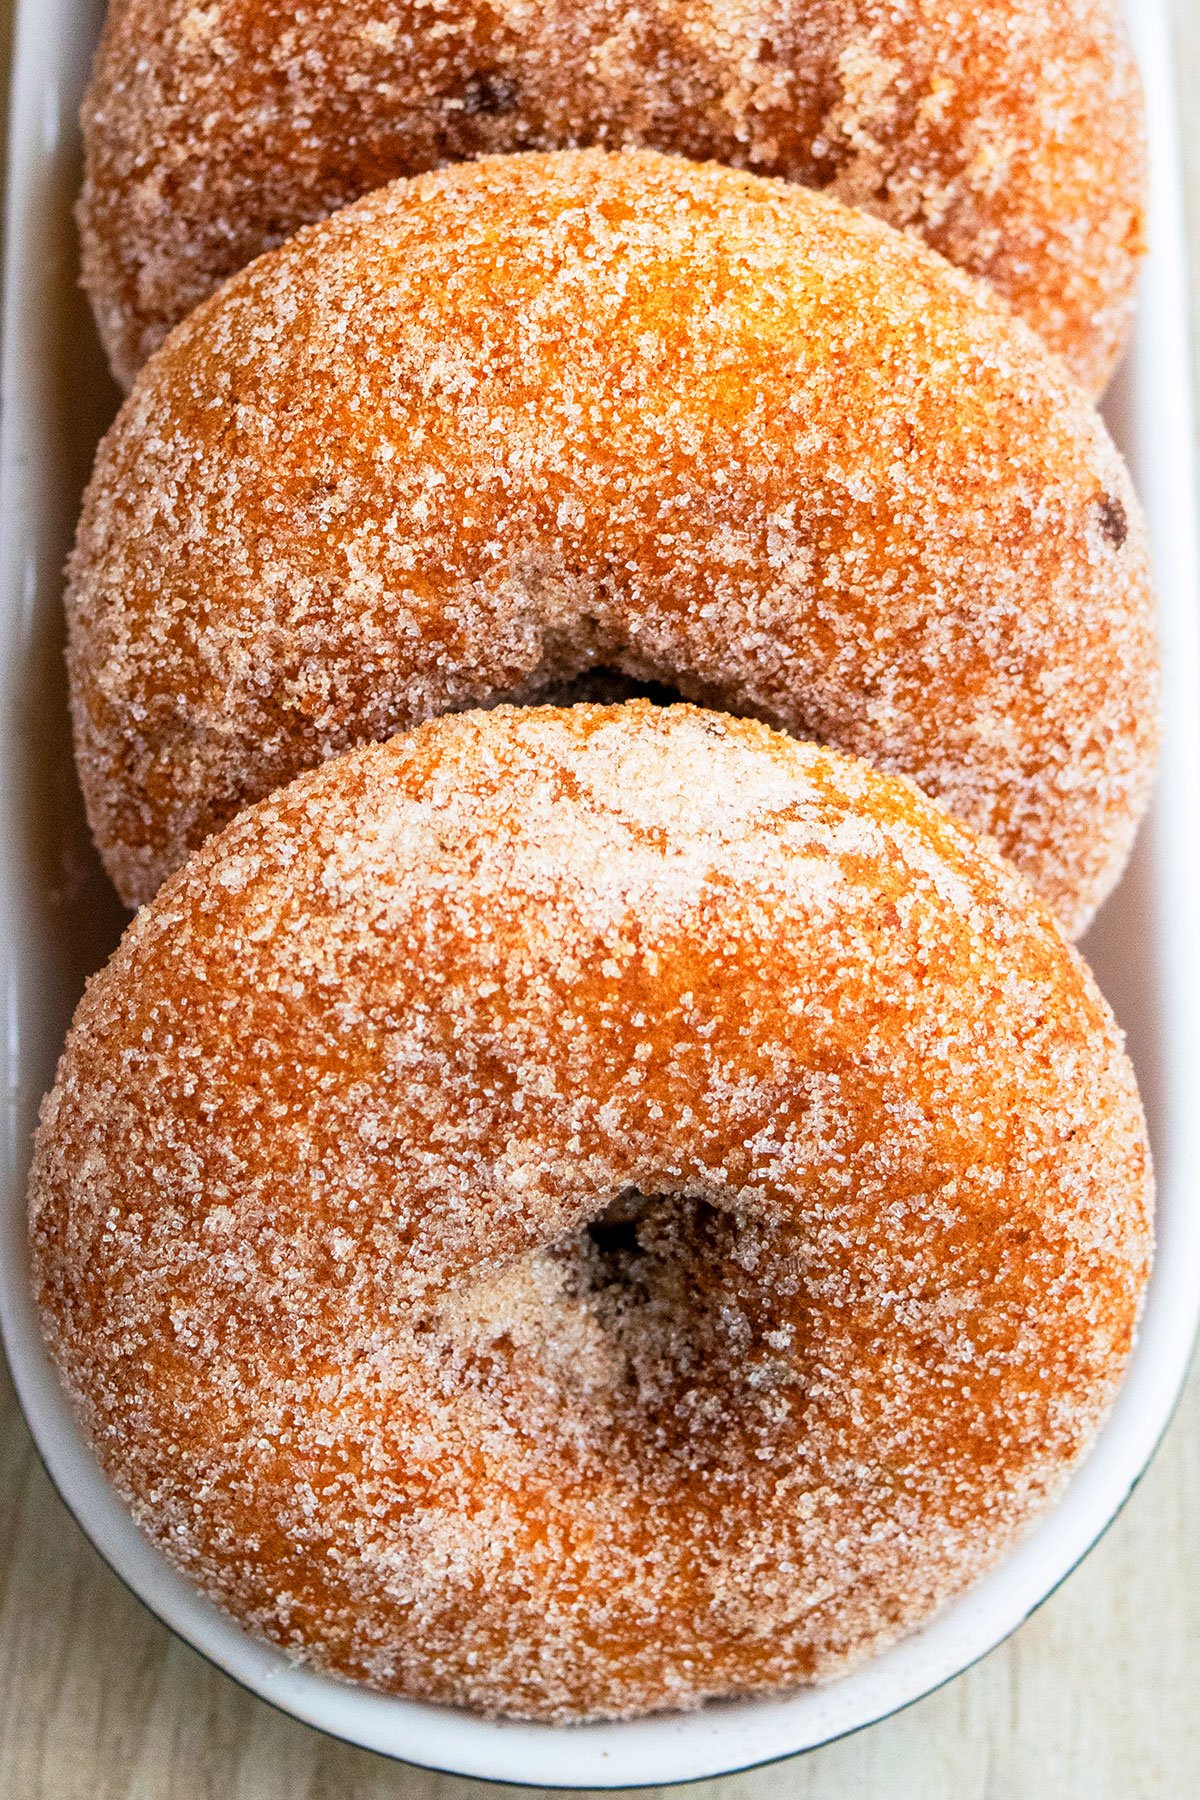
678, 1297
602, 686
614, 1233
614, 1237
631, 1253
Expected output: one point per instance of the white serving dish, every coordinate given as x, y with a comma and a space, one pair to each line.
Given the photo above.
58, 920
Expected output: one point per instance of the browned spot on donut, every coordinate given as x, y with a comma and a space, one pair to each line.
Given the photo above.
490, 93
1114, 522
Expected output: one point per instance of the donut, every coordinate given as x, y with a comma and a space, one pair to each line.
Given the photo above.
509, 420
580, 1211
1008, 134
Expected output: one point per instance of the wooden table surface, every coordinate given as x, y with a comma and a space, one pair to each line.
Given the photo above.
1096, 1698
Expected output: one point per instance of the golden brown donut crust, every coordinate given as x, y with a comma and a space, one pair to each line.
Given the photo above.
1007, 133
310, 1203
522, 416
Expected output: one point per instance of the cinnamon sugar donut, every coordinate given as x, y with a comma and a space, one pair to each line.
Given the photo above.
1008, 133
499, 424
577, 1212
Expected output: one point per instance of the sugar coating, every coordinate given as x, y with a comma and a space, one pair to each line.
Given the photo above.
861, 1155
1008, 134
499, 424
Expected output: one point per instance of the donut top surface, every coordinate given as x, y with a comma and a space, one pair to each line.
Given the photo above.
311, 1200
503, 422
1006, 133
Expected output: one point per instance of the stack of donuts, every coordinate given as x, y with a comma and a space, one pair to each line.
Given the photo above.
614, 654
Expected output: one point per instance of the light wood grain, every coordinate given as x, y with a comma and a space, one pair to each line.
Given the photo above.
1097, 1698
